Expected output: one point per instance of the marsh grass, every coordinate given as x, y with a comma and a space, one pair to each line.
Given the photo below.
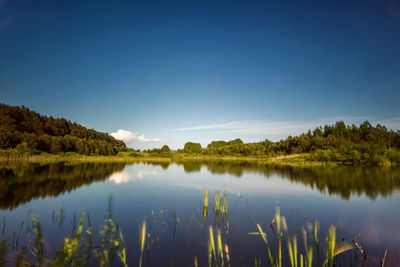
217, 251
283, 247
205, 198
142, 238
220, 203
296, 257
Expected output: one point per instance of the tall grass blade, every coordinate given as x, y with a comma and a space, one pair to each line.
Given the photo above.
219, 246
212, 243
142, 241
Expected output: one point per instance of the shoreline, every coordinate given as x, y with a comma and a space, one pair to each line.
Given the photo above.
294, 160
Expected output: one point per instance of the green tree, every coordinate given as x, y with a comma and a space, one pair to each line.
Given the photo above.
192, 148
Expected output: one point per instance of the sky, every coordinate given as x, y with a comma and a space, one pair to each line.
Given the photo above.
168, 72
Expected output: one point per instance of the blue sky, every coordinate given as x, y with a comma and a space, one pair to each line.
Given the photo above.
168, 72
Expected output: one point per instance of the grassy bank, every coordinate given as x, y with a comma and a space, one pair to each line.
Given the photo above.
13, 156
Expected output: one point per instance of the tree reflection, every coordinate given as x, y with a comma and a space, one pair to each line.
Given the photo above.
21, 183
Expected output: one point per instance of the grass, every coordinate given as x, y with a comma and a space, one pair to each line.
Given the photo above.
8, 156
142, 241
282, 245
296, 258
12, 156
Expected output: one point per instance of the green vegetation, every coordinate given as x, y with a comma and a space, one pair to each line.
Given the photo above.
82, 248
27, 131
337, 144
27, 136
192, 148
296, 258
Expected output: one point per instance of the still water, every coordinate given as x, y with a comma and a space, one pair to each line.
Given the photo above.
169, 197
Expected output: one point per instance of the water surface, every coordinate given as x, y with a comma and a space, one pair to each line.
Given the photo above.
361, 201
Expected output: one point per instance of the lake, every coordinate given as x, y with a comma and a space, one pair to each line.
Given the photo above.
169, 198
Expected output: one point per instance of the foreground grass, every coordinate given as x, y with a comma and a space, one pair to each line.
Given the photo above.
282, 247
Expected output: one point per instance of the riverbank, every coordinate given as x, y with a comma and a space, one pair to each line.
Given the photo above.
296, 160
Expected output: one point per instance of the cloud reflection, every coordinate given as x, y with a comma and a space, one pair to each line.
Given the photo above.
131, 174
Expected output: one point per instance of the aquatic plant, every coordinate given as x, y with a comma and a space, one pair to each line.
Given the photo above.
220, 203
294, 256
216, 252
142, 238
205, 198
38, 249
76, 249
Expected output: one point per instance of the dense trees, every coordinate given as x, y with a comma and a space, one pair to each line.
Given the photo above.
340, 143
25, 130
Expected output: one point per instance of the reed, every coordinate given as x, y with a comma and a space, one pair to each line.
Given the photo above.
216, 249
217, 201
279, 227
316, 231
38, 241
142, 237
333, 249
205, 198
76, 248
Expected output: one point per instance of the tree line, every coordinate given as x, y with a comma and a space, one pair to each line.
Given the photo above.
26, 130
347, 144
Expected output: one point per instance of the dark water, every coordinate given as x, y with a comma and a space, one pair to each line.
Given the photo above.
356, 200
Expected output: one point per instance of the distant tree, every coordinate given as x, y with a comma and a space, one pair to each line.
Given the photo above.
192, 148
165, 149
236, 142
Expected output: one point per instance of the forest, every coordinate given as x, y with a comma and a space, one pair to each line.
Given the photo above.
26, 130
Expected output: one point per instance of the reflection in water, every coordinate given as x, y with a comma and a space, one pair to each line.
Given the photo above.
178, 218
22, 183
19, 184
130, 175
342, 181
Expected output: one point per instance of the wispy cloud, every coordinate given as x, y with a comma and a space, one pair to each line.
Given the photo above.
128, 136
285, 128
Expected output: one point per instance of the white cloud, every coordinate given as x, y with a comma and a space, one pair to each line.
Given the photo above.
128, 136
